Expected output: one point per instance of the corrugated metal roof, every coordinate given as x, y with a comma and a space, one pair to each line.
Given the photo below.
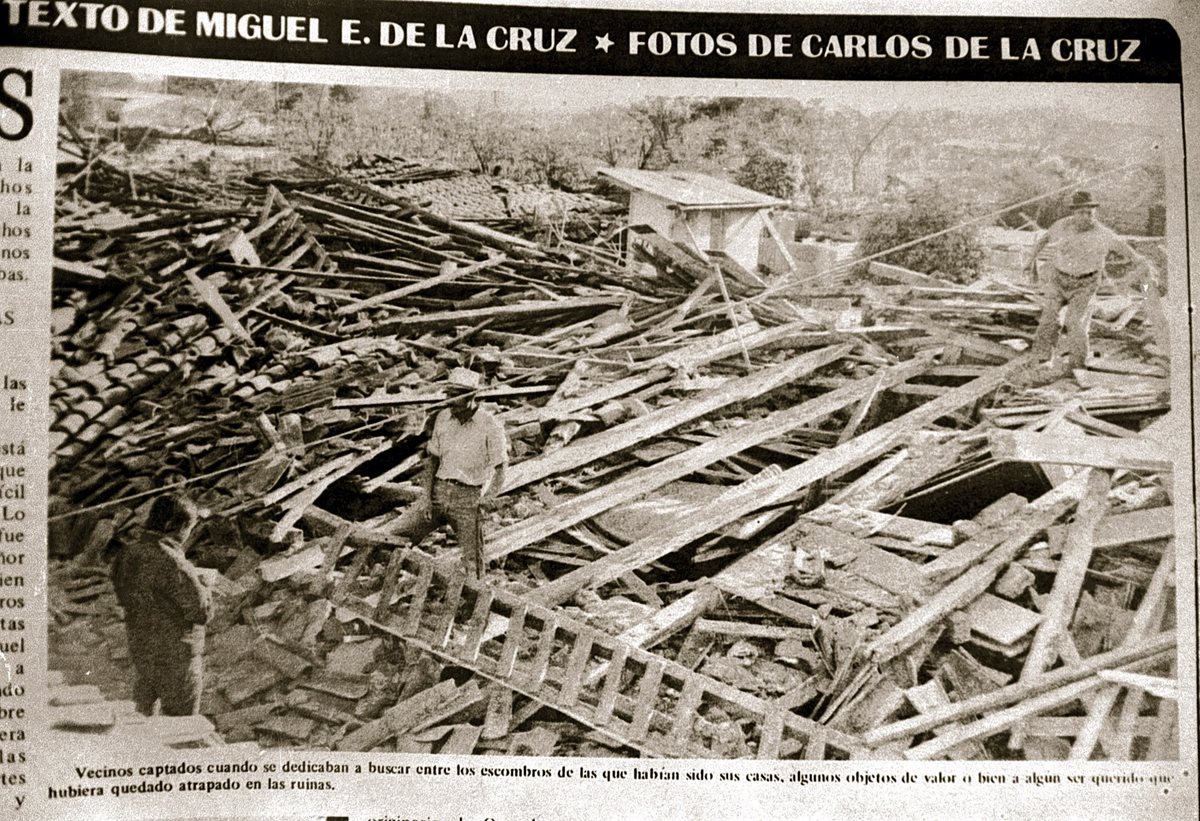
690, 189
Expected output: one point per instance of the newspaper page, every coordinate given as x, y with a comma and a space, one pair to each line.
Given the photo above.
605, 410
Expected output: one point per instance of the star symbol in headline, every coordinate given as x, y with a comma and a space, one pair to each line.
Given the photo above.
604, 43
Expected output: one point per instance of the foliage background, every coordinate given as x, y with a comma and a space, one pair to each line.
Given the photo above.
828, 159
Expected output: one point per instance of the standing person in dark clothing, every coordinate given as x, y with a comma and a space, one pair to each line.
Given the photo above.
166, 607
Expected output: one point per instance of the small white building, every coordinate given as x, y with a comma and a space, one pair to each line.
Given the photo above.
699, 212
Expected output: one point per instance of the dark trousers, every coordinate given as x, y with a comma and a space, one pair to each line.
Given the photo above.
170, 672
457, 504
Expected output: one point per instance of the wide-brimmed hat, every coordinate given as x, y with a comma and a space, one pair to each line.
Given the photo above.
1082, 199
462, 380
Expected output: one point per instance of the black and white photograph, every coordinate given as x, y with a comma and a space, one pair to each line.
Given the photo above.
610, 418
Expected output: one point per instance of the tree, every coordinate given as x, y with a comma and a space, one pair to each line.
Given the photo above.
313, 122
794, 129
661, 120
76, 101
860, 134
490, 140
611, 134
911, 228
767, 173
550, 159
223, 106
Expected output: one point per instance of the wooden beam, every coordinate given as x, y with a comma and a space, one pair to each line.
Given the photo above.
968, 342
699, 352
1001, 720
623, 436
885, 270
857, 418
970, 585
780, 243
1068, 581
449, 273
746, 630
1152, 648
1110, 453
1136, 526
755, 496
1102, 703
531, 310
672, 618
865, 522
635, 484
732, 312
213, 299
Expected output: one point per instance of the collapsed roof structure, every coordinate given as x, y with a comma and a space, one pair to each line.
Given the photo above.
765, 519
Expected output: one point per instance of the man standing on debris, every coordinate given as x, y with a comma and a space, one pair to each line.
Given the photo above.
166, 607
467, 454
1080, 244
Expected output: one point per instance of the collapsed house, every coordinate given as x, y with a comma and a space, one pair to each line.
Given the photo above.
738, 522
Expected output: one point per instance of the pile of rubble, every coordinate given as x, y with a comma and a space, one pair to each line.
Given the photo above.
759, 519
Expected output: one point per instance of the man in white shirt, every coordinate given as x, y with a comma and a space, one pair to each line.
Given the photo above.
1080, 245
467, 453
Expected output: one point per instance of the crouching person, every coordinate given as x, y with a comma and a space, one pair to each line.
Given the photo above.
166, 608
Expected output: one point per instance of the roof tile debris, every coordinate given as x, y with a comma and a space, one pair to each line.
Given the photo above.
910, 543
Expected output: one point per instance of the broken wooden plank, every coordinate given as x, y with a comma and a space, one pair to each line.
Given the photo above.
930, 696
694, 354
752, 496
299, 483
528, 311
462, 740
213, 299
449, 273
333, 549
1123, 382
1109, 453
672, 618
281, 567
498, 720
398, 719
1149, 650
620, 437
885, 270
633, 485
296, 506
1068, 581
968, 342
889, 571
1102, 703
1144, 525
867, 523
748, 630
971, 584
1000, 720
1000, 620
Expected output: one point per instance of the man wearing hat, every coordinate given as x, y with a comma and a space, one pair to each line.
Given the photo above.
467, 454
1080, 245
